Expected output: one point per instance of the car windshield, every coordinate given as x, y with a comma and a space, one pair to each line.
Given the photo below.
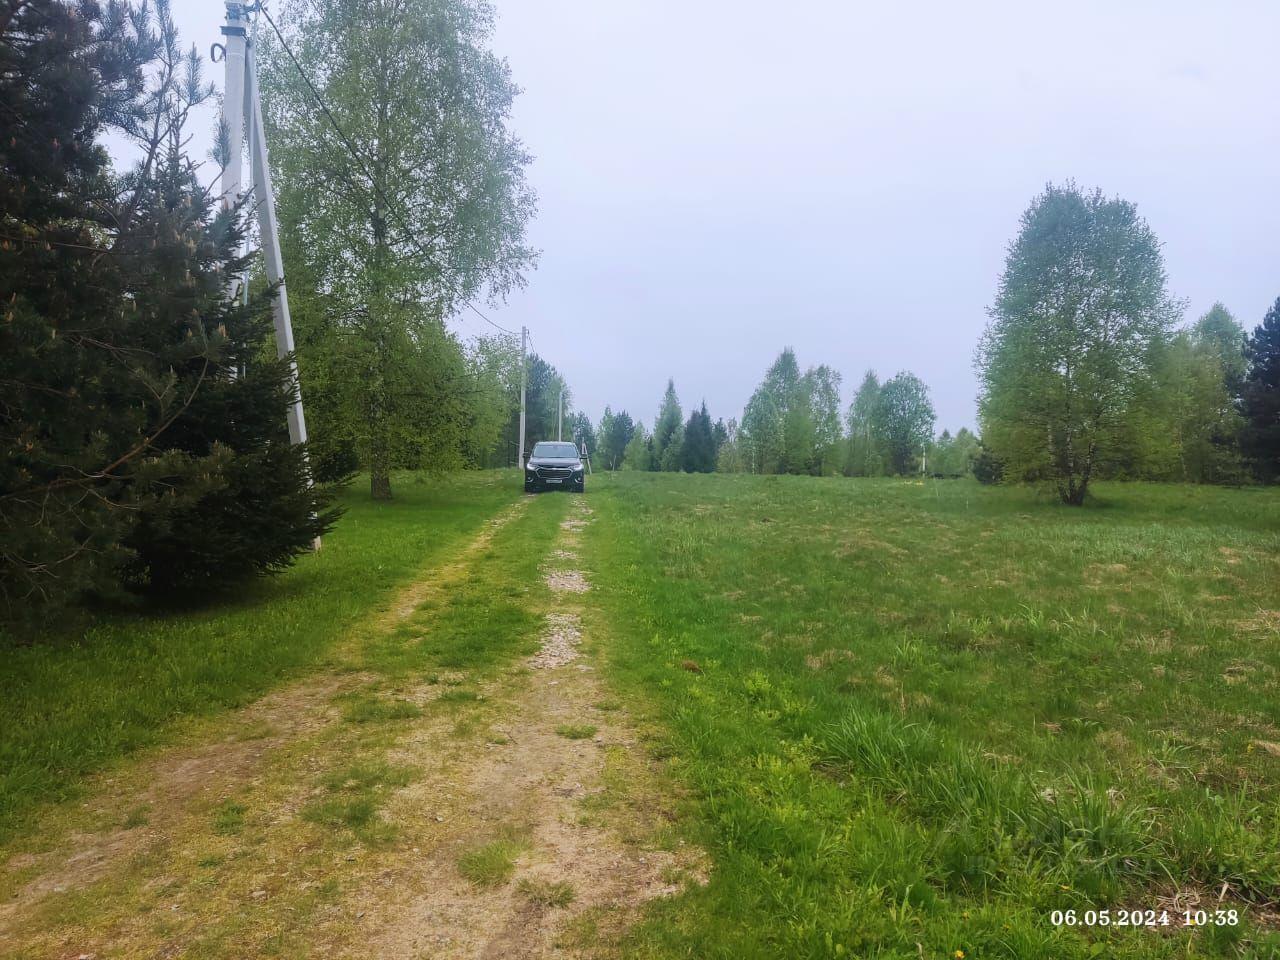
554, 450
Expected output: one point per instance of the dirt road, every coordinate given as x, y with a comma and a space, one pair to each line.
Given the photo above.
509, 812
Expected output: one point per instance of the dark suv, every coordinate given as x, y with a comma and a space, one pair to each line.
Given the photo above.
554, 466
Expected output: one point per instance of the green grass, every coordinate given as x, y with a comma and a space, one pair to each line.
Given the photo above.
576, 731
228, 818
493, 863
73, 704
928, 714
138, 816
352, 797
367, 708
486, 618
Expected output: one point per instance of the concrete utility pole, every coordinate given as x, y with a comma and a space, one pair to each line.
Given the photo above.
524, 384
233, 100
270, 231
560, 417
241, 103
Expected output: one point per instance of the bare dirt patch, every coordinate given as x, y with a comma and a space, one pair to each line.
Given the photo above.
167, 787
567, 581
560, 644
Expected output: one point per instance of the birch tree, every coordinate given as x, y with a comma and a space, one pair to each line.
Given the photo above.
1080, 303
401, 199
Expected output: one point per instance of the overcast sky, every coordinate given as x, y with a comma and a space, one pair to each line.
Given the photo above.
722, 178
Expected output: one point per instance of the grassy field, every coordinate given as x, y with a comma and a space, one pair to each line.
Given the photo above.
917, 718
74, 704
906, 719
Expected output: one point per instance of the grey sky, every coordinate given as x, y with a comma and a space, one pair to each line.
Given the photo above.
721, 178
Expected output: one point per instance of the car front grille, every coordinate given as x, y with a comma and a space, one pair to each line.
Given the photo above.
554, 473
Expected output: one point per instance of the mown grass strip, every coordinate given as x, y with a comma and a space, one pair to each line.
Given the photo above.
492, 614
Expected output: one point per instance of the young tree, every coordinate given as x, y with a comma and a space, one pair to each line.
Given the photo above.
603, 434
250, 509
1080, 303
615, 433
903, 421
1220, 334
821, 389
639, 452
493, 368
698, 449
761, 436
578, 427
939, 454
731, 458
954, 456
1260, 397
1183, 424
425, 203
668, 432
778, 428
965, 450
987, 468
789, 391
863, 458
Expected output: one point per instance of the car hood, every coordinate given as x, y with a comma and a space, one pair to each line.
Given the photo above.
555, 462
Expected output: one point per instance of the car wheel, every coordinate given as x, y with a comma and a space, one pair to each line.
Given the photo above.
581, 487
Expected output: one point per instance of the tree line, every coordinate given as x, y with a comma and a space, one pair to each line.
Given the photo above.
793, 423
1086, 371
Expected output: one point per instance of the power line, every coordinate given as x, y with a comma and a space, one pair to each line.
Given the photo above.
351, 149
491, 322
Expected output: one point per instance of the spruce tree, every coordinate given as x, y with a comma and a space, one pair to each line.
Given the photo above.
720, 434
1260, 397
668, 431
698, 451
229, 495
70, 384
144, 429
